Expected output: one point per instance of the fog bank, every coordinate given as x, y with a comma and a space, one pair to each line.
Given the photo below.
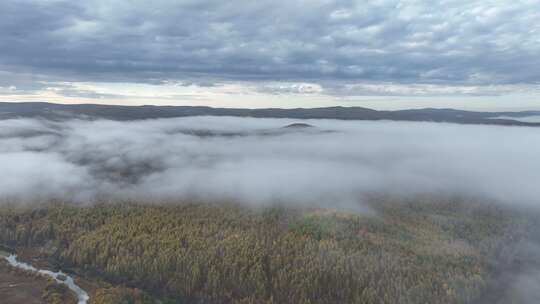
257, 161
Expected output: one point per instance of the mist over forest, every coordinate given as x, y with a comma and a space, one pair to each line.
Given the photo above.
261, 162
395, 211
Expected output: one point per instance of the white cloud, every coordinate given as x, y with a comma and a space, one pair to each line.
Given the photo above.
256, 162
392, 89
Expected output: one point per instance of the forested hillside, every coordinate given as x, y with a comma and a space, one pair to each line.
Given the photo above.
62, 111
426, 250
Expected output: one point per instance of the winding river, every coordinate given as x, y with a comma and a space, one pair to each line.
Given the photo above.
82, 296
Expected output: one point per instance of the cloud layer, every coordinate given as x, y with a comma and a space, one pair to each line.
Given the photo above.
459, 46
256, 161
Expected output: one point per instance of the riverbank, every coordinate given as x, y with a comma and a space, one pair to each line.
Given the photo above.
59, 277
21, 282
19, 286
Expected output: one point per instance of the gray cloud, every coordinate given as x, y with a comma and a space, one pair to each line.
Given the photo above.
255, 161
435, 42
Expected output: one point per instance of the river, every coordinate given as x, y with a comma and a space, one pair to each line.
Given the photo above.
82, 296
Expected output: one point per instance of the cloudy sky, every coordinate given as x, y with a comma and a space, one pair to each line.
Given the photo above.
268, 53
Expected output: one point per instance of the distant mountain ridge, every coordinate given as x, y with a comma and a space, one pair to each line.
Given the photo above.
63, 111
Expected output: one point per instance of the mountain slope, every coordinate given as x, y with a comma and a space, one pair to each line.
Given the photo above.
60, 111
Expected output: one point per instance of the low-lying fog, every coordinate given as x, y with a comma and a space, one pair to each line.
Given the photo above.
257, 161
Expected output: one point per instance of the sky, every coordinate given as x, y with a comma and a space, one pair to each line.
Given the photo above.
384, 54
